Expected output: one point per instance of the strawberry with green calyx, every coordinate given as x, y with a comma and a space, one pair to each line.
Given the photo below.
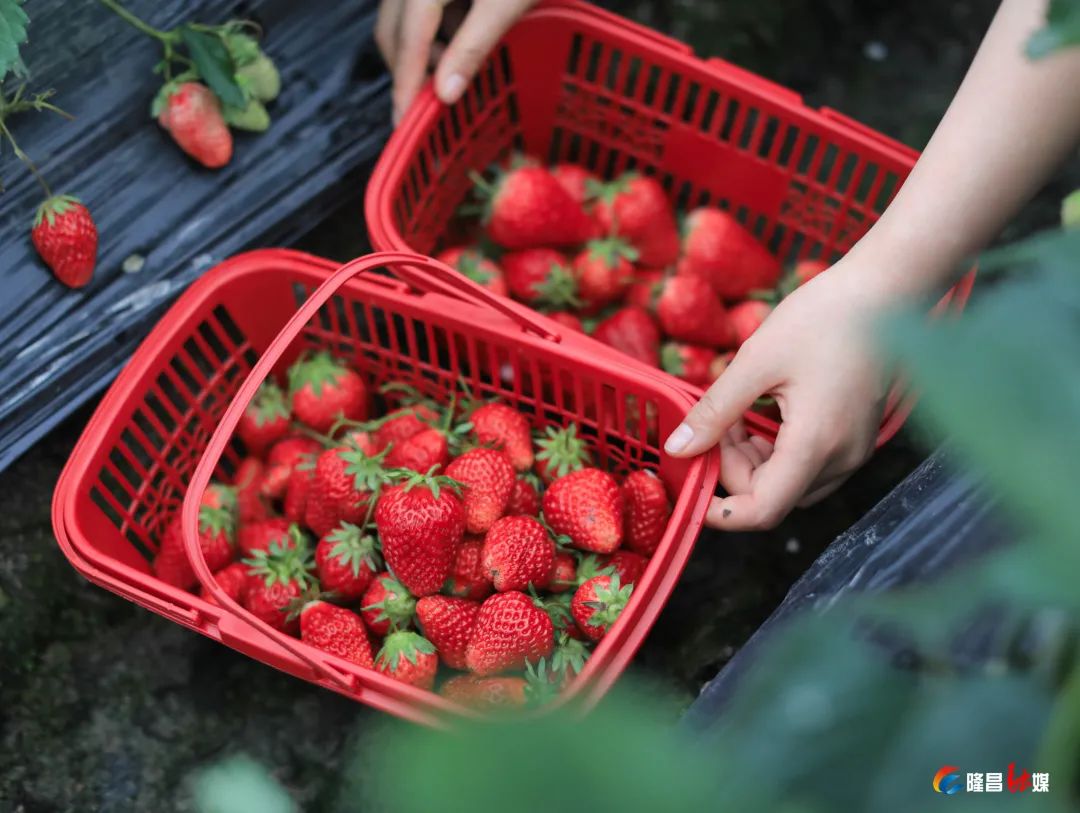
518, 554
261, 535
233, 579
423, 451
510, 631
65, 236
603, 271
505, 428
346, 560
747, 317
219, 495
525, 496
540, 277
627, 565
277, 577
645, 290
563, 572
526, 207
280, 461
560, 451
217, 529
468, 577
690, 311
587, 506
410, 658
646, 510
346, 480
485, 693
335, 630
421, 522
192, 115
298, 487
722, 252
540, 684
690, 362
403, 423
598, 603
487, 480
578, 182
265, 420
590, 566
636, 208
324, 390
448, 623
633, 331
474, 265
387, 606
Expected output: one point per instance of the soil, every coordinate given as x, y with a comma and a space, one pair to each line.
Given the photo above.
107, 707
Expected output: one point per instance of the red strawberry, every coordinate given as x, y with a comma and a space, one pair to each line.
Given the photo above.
503, 427
232, 579
746, 317
690, 362
192, 115
347, 560
485, 694
518, 552
409, 658
219, 495
250, 505
527, 207
402, 424
598, 603
603, 271
296, 490
324, 390
264, 533
266, 419
282, 458
448, 623
421, 523
566, 319
468, 579
476, 267
524, 498
487, 479
336, 630
344, 481
217, 527
631, 331
560, 451
719, 364
576, 180
645, 289
421, 452
587, 506
276, 579
510, 630
717, 249
564, 572
689, 311
806, 270
646, 509
540, 276
387, 605
65, 236
629, 566
635, 208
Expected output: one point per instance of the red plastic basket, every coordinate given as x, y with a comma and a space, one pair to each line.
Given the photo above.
572, 82
165, 428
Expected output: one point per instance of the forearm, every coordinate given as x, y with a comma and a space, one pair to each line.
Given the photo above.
1011, 123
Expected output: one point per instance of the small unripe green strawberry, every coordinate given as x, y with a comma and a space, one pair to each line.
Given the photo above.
252, 118
261, 77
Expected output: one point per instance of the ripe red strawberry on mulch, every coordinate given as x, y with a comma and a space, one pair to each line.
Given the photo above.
65, 236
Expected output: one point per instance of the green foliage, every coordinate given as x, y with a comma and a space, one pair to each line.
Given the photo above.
214, 64
13, 22
1062, 29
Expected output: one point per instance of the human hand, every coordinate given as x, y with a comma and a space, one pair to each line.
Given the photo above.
814, 356
405, 32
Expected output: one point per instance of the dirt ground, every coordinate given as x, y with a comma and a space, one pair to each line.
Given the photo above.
107, 707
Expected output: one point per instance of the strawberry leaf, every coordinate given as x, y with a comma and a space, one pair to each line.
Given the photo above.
13, 22
215, 65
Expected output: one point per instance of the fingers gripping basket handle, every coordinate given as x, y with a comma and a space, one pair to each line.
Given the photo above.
423, 274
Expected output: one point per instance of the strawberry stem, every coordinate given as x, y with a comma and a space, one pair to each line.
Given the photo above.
22, 156
135, 22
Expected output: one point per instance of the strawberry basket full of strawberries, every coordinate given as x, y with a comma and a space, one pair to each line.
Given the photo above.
664, 203
389, 481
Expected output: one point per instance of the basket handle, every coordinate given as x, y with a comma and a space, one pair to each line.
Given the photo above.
423, 274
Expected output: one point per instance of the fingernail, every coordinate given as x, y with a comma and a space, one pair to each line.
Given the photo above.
678, 440
452, 88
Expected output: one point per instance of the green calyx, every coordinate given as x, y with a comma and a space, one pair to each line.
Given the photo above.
609, 602
316, 371
611, 250
540, 688
607, 191
354, 549
403, 645
471, 265
54, 207
213, 521
558, 290
671, 358
398, 608
562, 450
226, 495
283, 562
429, 480
557, 607
366, 470
589, 567
269, 404
569, 656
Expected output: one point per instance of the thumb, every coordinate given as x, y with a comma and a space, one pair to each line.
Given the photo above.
723, 404
482, 28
